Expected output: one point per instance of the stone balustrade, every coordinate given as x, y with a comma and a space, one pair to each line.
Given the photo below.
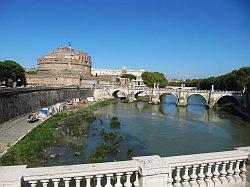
219, 169
209, 169
101, 174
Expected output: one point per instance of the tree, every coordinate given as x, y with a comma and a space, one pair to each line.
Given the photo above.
149, 78
247, 83
12, 72
128, 76
234, 80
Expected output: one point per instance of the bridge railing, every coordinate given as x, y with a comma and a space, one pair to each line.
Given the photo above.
208, 169
88, 174
36, 88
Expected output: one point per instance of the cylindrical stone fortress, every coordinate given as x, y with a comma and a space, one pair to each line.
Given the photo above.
61, 67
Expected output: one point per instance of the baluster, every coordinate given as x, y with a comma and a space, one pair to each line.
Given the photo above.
170, 177
216, 173
230, 172
201, 175
33, 183
88, 180
118, 181
109, 177
98, 180
66, 181
136, 183
223, 173
194, 176
56, 182
178, 177
209, 174
243, 170
128, 176
78, 181
45, 183
237, 171
186, 176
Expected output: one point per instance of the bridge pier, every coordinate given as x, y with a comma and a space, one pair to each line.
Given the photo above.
155, 100
211, 103
181, 102
131, 97
182, 99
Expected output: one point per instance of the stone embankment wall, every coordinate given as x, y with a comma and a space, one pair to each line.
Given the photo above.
16, 102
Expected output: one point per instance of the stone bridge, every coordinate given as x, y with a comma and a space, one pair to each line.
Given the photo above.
157, 94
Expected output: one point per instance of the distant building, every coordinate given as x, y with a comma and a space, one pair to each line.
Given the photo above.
67, 67
61, 67
116, 74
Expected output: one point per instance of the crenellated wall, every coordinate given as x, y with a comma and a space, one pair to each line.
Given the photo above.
16, 102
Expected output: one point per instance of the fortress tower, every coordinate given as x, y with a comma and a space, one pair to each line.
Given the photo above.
62, 67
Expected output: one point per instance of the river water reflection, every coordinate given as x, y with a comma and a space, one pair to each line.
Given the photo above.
167, 130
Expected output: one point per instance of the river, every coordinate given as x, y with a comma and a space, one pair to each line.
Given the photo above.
164, 130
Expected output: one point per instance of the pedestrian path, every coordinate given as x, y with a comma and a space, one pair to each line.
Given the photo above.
13, 131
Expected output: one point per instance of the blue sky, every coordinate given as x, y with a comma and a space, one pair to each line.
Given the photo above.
181, 38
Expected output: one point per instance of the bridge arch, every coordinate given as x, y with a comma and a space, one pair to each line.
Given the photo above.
197, 94
140, 92
163, 95
234, 99
116, 94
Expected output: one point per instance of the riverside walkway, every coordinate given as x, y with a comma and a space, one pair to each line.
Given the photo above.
14, 130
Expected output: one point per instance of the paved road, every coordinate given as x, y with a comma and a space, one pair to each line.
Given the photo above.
11, 132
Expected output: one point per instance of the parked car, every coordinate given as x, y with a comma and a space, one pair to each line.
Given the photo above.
69, 102
32, 118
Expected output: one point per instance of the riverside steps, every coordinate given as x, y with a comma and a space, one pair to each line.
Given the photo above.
219, 169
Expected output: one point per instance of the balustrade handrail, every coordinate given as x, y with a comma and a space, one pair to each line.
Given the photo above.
175, 90
70, 171
184, 160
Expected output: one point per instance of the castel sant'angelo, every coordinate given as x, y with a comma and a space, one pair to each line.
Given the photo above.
62, 67
65, 66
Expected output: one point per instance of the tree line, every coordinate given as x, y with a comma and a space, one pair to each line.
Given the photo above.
235, 80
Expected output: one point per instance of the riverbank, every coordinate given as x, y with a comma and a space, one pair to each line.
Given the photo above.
66, 129
242, 113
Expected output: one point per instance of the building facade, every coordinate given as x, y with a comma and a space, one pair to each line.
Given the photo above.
61, 67
116, 74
